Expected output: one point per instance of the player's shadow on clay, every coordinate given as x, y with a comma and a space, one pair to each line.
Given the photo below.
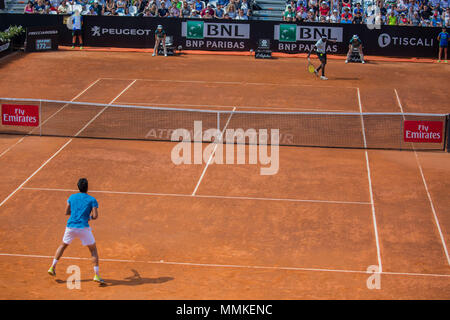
134, 280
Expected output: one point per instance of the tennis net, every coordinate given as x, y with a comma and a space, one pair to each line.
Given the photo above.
404, 131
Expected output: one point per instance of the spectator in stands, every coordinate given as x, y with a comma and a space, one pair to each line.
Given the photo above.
301, 14
63, 7
231, 10
97, 8
219, 11
324, 9
174, 12
446, 17
208, 10
436, 20
185, 10
392, 19
92, 11
163, 12
425, 13
140, 6
153, 11
29, 8
245, 6
226, 16
242, 16
120, 6
403, 20
401, 7
358, 9
347, 14
249, 14
39, 6
311, 17
357, 18
195, 14
207, 15
108, 7
415, 19
199, 5
334, 18
313, 5
49, 7
289, 15
346, 19
223, 3
346, 4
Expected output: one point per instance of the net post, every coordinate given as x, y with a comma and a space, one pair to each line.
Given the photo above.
40, 117
447, 143
218, 122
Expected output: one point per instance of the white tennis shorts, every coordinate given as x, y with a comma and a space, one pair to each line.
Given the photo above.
85, 235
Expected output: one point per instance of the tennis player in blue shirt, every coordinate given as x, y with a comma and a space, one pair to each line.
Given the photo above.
443, 44
81, 207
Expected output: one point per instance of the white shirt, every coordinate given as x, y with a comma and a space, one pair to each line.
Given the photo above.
321, 46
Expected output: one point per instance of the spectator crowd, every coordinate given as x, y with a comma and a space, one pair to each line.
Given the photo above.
433, 13
222, 9
426, 13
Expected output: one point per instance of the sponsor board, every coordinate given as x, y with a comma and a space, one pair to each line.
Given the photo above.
99, 31
386, 40
214, 36
423, 131
20, 115
42, 38
294, 33
300, 38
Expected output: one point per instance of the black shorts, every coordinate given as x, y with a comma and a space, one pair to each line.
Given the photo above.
322, 57
443, 46
76, 33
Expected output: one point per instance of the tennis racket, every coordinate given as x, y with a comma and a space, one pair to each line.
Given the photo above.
311, 68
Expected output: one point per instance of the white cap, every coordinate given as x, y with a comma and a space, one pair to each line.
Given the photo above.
159, 26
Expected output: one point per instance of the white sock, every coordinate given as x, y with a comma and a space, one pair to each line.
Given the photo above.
54, 262
96, 270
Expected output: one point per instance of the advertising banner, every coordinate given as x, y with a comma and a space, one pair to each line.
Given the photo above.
20, 115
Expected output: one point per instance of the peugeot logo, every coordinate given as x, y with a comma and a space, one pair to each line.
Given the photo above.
95, 31
384, 40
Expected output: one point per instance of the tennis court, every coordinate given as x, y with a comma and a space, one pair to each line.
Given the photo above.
223, 231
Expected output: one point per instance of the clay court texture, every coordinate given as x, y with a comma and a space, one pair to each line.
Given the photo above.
210, 231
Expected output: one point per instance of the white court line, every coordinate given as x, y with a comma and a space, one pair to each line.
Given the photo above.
236, 83
147, 104
54, 114
436, 220
200, 196
235, 266
60, 149
214, 151
374, 218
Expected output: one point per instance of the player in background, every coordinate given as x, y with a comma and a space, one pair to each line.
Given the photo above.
443, 44
321, 50
81, 207
355, 43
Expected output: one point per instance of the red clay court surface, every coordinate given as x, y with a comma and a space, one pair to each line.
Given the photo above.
225, 231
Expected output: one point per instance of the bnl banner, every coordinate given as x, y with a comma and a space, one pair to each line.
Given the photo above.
215, 35
292, 38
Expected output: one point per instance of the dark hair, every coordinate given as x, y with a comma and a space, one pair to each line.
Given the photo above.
83, 185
